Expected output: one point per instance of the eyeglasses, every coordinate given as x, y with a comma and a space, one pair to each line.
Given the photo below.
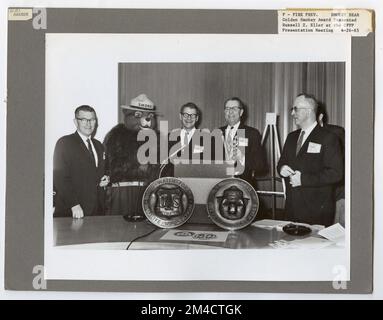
85, 121
192, 116
295, 109
228, 109
139, 114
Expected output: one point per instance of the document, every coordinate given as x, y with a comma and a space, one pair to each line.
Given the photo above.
306, 243
334, 233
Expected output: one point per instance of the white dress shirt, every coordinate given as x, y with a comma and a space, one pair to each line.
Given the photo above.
189, 135
84, 138
308, 131
232, 131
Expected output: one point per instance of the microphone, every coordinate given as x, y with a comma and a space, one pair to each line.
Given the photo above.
165, 162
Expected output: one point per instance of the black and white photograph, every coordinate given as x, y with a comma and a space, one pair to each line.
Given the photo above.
163, 149
197, 150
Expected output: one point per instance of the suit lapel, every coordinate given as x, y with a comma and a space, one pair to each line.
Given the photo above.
85, 149
296, 143
224, 145
243, 127
223, 129
196, 140
178, 140
312, 134
99, 153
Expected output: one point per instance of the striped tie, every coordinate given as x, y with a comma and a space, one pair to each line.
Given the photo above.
299, 143
229, 143
91, 151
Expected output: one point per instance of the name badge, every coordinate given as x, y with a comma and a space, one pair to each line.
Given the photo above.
314, 147
198, 149
243, 142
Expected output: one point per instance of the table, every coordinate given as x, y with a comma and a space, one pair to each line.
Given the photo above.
113, 232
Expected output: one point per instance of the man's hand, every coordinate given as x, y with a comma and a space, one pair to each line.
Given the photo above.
295, 179
286, 171
104, 181
77, 212
239, 161
76, 224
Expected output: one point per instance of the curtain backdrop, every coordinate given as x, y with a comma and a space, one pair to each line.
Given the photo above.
264, 87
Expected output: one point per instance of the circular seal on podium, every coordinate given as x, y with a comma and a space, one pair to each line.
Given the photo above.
232, 204
168, 202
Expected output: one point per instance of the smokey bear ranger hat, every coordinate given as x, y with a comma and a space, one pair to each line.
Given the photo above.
140, 103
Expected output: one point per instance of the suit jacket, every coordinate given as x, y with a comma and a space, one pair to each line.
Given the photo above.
339, 131
76, 178
255, 158
320, 163
194, 150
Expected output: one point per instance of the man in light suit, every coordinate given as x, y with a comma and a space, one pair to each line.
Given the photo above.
312, 165
78, 169
242, 144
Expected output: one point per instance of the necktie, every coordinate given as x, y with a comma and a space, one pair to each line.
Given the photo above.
91, 151
186, 140
229, 139
229, 143
299, 142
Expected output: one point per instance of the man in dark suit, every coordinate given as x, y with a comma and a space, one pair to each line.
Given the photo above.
339, 189
188, 136
78, 169
311, 163
185, 144
242, 144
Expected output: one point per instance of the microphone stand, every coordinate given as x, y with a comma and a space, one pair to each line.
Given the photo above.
165, 162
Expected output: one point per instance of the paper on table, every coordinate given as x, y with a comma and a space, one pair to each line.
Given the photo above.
311, 243
334, 233
306, 243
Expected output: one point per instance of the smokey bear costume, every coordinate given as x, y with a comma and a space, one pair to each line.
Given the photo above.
129, 178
